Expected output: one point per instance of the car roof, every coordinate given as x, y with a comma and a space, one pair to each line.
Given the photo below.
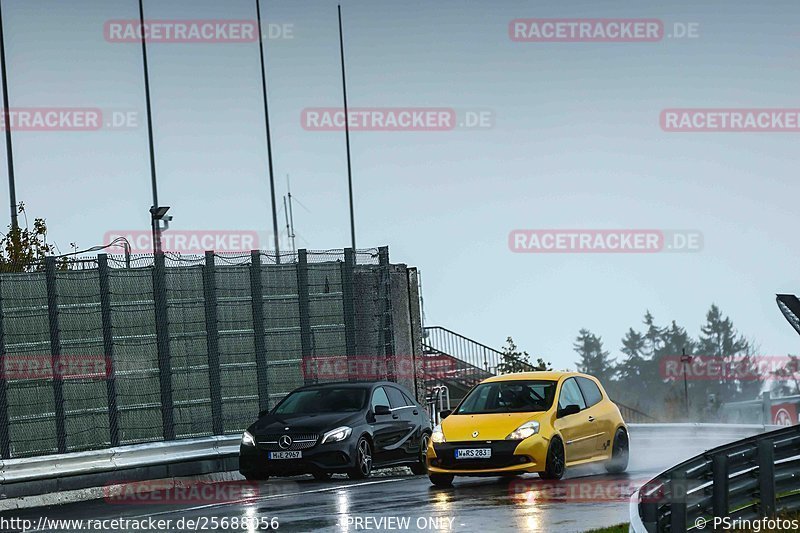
548, 375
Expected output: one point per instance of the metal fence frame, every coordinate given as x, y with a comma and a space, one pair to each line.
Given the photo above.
97, 273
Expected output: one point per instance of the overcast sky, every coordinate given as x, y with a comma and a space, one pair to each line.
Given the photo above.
574, 142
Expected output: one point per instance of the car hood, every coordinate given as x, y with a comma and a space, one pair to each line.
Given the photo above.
494, 426
315, 423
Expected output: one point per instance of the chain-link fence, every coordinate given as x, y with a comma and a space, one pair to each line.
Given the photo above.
117, 350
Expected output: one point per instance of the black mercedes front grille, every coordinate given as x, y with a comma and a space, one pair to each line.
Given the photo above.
300, 441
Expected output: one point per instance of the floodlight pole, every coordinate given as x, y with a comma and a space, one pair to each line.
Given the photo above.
269, 137
12, 189
347, 137
156, 224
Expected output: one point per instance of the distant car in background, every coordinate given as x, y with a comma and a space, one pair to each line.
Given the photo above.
350, 428
538, 422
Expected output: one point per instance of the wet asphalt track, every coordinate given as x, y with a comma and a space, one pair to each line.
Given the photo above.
591, 500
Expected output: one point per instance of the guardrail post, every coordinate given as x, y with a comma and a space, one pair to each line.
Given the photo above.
212, 343
387, 325
55, 353
162, 345
649, 509
766, 408
678, 495
766, 477
349, 308
108, 348
259, 335
309, 373
5, 435
719, 494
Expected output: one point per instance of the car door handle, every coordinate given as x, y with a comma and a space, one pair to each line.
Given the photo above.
416, 412
591, 419
395, 416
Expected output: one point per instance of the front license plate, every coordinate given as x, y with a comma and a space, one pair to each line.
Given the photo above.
285, 455
473, 453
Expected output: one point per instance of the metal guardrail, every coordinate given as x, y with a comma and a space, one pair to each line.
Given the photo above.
750, 478
122, 457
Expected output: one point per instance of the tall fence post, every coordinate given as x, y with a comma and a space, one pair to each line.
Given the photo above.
678, 496
5, 435
55, 353
719, 489
349, 309
306, 348
387, 326
162, 345
259, 335
766, 477
212, 343
108, 349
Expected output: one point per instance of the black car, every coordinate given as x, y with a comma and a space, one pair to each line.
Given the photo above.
330, 428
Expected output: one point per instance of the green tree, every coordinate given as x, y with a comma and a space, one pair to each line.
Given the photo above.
594, 360
519, 361
720, 340
787, 378
24, 249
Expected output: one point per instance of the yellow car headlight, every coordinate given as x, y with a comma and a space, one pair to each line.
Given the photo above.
438, 435
528, 429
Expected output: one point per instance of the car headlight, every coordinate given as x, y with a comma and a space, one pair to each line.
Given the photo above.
248, 439
438, 435
526, 430
336, 435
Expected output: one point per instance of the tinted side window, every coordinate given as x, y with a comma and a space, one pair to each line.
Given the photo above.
395, 397
379, 398
409, 401
570, 394
591, 392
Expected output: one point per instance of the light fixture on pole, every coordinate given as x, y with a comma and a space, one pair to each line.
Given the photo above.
157, 215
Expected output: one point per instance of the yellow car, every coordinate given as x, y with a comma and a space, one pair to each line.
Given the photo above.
528, 422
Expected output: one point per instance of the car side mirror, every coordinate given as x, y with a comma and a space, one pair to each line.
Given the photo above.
444, 414
262, 413
382, 410
571, 409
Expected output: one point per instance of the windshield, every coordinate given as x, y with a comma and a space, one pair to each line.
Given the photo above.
509, 397
323, 400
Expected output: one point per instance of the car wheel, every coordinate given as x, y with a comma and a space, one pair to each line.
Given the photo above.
620, 452
421, 467
441, 480
363, 467
322, 476
555, 464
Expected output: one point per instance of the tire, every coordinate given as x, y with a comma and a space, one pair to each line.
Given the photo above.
620, 453
441, 480
322, 476
556, 463
420, 468
363, 468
